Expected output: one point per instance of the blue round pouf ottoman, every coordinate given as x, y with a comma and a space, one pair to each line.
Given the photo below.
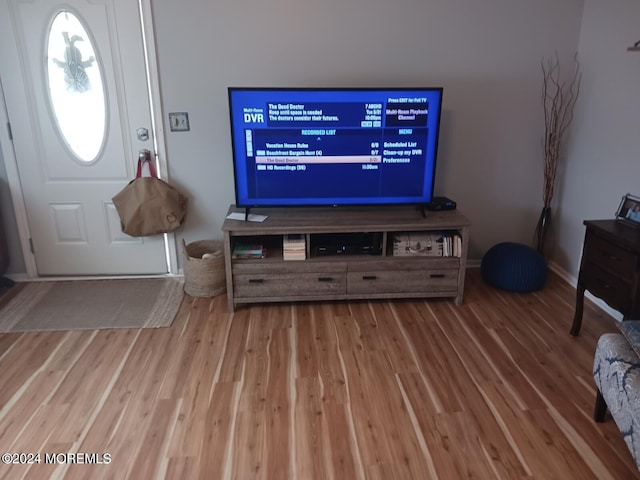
514, 267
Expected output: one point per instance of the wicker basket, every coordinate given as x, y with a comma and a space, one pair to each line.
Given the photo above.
204, 277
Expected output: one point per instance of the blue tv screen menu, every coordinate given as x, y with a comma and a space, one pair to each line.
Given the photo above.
334, 146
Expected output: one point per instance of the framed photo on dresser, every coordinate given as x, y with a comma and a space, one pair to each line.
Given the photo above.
629, 210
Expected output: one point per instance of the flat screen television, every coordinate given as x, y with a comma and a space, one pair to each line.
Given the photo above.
334, 146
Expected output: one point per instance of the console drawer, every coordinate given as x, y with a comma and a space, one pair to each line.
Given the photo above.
245, 267
610, 257
404, 264
610, 288
402, 281
289, 285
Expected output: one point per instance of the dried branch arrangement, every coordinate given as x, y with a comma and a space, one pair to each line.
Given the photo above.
558, 100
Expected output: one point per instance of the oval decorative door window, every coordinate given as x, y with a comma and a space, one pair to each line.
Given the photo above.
76, 89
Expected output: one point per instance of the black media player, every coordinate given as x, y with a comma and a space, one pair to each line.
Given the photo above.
346, 244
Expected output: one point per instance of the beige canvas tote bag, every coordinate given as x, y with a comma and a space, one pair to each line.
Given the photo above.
149, 205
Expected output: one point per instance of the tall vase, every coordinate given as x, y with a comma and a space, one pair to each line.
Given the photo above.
543, 236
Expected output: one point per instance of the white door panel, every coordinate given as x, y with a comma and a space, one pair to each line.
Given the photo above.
74, 227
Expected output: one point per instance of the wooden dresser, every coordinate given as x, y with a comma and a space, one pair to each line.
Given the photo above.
610, 268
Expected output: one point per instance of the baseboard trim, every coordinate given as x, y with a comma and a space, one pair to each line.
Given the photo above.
573, 281
23, 277
561, 272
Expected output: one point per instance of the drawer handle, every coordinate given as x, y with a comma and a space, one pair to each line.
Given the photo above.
605, 253
369, 277
325, 279
256, 280
437, 275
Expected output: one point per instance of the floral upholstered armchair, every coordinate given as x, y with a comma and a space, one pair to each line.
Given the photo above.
616, 371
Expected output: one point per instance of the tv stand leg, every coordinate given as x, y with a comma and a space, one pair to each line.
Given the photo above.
246, 214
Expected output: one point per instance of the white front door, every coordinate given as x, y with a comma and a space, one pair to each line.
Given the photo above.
76, 94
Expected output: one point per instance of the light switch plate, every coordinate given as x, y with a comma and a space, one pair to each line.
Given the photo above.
179, 121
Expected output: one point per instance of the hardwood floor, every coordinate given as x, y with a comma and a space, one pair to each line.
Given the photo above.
494, 388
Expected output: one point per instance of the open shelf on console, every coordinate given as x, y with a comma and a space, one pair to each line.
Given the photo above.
345, 244
245, 247
425, 243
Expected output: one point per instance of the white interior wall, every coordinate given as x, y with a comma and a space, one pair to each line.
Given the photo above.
485, 54
603, 153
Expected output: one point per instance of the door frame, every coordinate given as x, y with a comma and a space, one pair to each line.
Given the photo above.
11, 161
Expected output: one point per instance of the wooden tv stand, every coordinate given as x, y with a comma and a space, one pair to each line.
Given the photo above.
341, 276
